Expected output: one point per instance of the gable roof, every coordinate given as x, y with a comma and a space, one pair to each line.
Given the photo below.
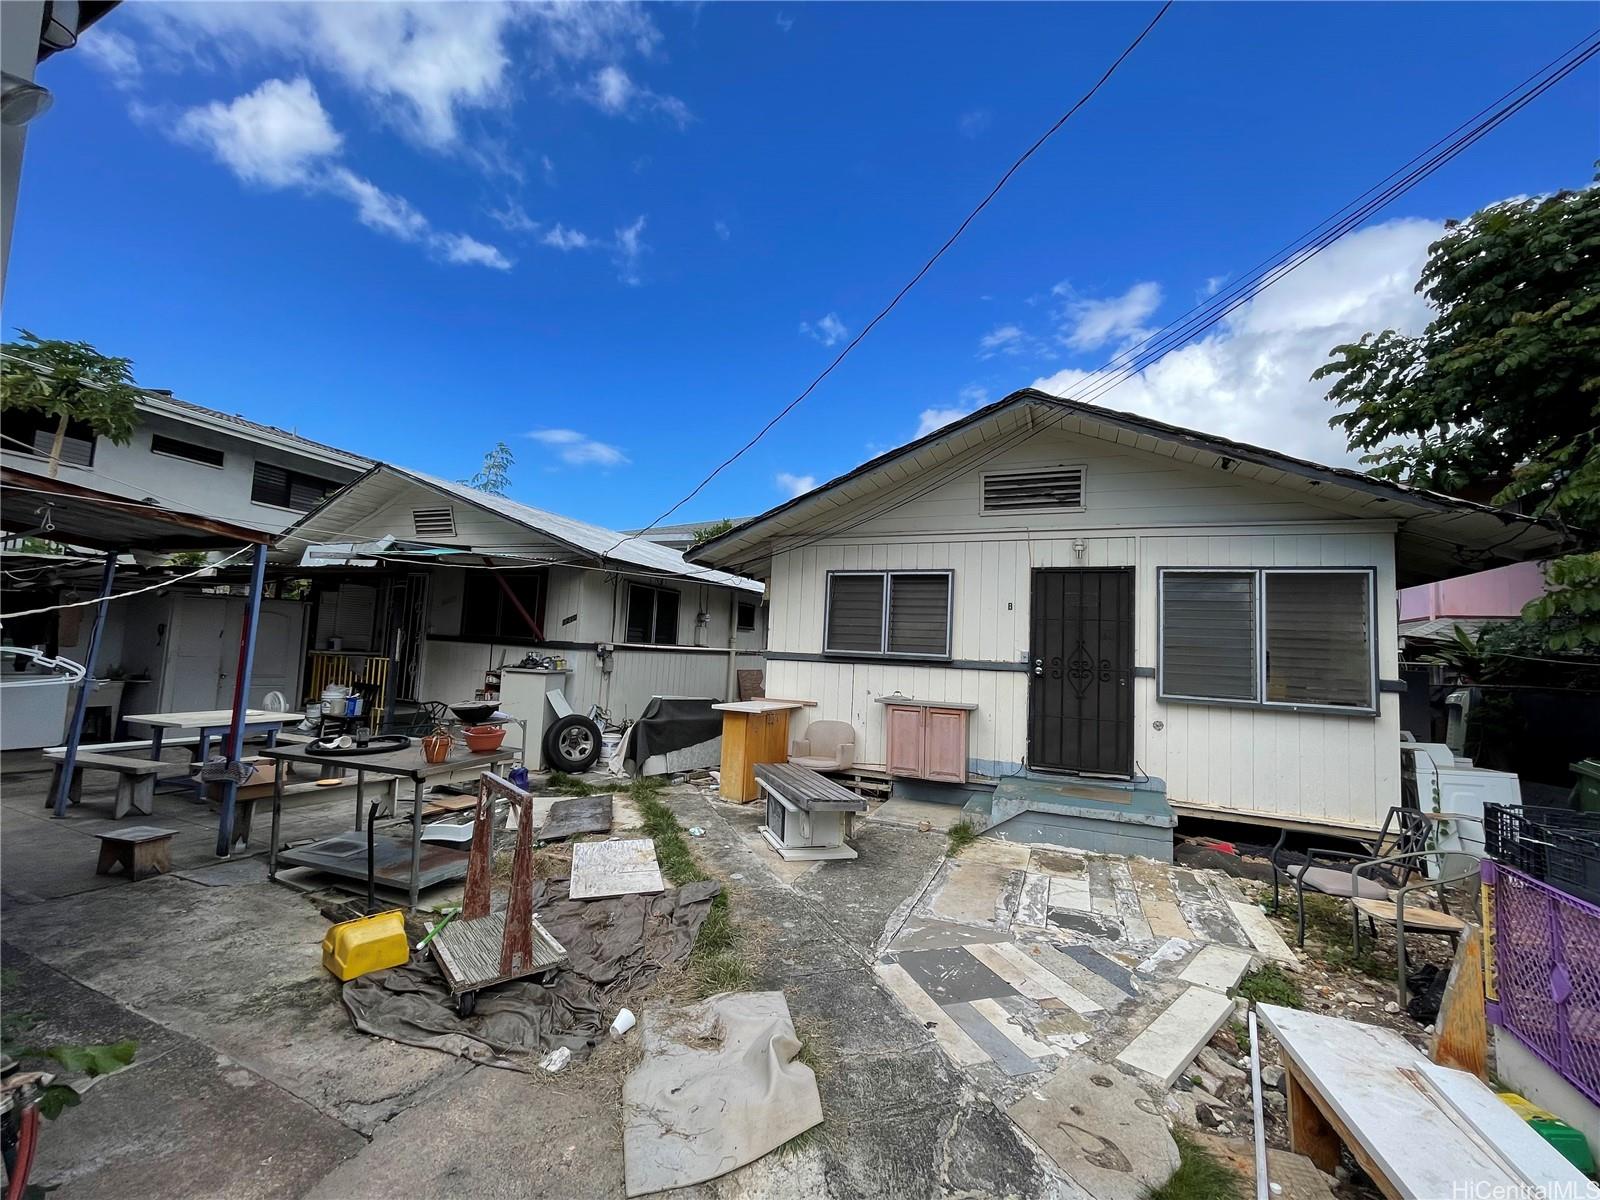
557, 538
1438, 535
167, 405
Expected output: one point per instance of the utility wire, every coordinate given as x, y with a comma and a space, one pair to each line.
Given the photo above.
915, 279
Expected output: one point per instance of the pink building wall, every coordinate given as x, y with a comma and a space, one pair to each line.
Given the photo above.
1500, 592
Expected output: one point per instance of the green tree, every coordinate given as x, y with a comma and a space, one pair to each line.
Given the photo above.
1499, 397
70, 381
495, 475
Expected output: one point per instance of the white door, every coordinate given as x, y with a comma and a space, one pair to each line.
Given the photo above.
279, 652
197, 641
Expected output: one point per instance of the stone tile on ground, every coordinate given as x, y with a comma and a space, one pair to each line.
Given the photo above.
1169, 1043
1261, 933
950, 1036
1001, 1049
1101, 1128
1075, 975
974, 893
1011, 855
921, 934
915, 813
1217, 967
953, 975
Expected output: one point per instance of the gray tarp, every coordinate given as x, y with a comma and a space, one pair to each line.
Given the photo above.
719, 1086
612, 944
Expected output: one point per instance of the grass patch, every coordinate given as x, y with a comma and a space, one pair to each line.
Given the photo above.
571, 785
1201, 1175
718, 962
1241, 1035
959, 837
1328, 930
1270, 985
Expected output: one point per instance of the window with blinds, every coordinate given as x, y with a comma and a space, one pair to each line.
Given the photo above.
29, 432
900, 613
1268, 636
283, 488
652, 615
1318, 638
1208, 646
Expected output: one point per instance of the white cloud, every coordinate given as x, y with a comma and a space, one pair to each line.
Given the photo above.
1249, 379
549, 169
513, 218
829, 330
976, 122
421, 65
784, 23
562, 238
720, 228
1213, 285
972, 397
279, 136
612, 90
276, 135
795, 485
626, 251
578, 450
1003, 339
114, 54
1092, 323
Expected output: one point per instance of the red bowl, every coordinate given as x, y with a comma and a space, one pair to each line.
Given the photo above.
483, 738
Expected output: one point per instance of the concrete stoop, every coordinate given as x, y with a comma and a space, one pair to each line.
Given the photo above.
1098, 816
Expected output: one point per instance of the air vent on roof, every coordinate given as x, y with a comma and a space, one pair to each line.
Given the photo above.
433, 522
1024, 491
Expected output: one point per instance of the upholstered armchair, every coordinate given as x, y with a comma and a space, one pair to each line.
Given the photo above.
826, 746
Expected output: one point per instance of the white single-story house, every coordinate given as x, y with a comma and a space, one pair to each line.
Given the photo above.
1080, 592
422, 588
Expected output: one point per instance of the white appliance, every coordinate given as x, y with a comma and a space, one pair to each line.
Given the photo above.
1449, 784
35, 694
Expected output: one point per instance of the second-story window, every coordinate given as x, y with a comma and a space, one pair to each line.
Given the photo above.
283, 488
172, 447
35, 433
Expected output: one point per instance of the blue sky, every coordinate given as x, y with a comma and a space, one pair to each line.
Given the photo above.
619, 237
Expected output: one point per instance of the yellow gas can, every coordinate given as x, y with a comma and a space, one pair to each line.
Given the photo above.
375, 943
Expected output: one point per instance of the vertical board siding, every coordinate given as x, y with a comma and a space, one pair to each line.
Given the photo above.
1312, 767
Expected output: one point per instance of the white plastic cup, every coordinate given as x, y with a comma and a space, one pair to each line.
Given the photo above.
623, 1023
344, 741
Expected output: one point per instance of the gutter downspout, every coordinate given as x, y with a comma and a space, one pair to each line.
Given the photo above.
732, 693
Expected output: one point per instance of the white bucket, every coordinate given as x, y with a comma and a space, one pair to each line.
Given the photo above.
609, 744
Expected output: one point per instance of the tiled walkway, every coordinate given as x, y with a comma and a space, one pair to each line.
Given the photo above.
1016, 957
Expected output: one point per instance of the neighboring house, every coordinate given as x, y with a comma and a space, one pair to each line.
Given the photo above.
191, 458
422, 586
1434, 610
1105, 595
681, 537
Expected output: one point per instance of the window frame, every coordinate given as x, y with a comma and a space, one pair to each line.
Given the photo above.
290, 475
477, 632
739, 607
44, 423
1259, 633
189, 458
887, 575
655, 613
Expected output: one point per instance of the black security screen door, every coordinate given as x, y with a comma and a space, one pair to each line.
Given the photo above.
1080, 697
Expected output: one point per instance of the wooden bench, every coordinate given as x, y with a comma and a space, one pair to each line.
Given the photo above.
141, 850
136, 778
808, 815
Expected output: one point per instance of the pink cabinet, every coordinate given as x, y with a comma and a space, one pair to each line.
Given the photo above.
926, 741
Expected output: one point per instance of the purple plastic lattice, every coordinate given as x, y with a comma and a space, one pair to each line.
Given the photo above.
1547, 961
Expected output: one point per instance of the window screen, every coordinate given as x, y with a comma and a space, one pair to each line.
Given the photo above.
919, 614
283, 488
652, 615
1318, 638
1208, 638
855, 613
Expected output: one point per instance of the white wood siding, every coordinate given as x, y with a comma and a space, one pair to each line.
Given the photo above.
1311, 767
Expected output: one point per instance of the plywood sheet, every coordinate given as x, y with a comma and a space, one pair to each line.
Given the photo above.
614, 868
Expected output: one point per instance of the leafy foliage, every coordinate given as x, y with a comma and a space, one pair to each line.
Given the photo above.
71, 381
1499, 398
716, 529
494, 476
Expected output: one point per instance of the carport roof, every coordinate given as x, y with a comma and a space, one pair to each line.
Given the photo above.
78, 516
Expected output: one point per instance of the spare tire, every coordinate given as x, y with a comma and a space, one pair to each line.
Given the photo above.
572, 744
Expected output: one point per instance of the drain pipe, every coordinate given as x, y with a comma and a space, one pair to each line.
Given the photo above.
732, 684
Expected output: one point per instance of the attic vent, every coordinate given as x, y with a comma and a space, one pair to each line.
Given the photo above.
1023, 491
433, 522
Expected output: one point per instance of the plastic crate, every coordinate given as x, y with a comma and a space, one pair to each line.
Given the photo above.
1512, 837
1572, 863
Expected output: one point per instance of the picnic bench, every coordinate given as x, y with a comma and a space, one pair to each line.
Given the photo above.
808, 815
136, 778
141, 850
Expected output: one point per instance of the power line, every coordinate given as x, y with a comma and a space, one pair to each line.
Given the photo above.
917, 278
1292, 256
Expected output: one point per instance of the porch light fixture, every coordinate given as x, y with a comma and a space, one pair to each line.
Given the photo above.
1078, 547
21, 100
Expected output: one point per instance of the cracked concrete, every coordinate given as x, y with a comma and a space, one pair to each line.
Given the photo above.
250, 1080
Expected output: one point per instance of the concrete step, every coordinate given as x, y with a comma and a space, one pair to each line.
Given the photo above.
1109, 817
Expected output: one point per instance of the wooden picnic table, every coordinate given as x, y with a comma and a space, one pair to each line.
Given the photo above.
402, 764
208, 723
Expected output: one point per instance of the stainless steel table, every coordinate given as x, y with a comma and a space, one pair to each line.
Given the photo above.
403, 764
